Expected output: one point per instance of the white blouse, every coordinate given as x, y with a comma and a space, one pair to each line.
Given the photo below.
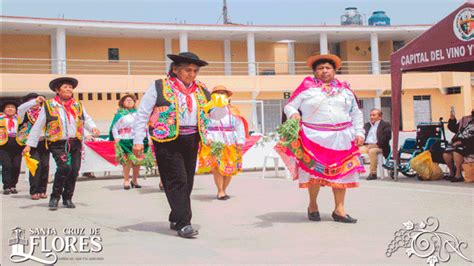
319, 108
123, 128
219, 130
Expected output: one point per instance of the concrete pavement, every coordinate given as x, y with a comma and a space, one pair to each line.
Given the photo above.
264, 222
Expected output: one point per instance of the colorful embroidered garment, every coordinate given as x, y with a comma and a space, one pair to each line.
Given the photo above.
324, 151
227, 137
122, 128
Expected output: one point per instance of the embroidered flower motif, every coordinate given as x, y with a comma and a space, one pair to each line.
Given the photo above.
299, 154
170, 121
349, 165
295, 144
161, 130
306, 158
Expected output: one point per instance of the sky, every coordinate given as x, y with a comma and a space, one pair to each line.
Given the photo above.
256, 12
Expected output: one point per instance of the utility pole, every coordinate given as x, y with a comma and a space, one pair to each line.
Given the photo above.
225, 16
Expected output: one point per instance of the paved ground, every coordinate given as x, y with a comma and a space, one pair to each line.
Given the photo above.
263, 223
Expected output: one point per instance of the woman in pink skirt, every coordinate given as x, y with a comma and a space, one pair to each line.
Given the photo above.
325, 151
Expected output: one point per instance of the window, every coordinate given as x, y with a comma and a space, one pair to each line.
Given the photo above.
109, 96
89, 96
387, 109
397, 45
117, 96
453, 90
114, 54
99, 96
80, 96
422, 109
136, 95
273, 110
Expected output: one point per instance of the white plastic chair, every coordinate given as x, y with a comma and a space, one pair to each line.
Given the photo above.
275, 158
380, 169
380, 160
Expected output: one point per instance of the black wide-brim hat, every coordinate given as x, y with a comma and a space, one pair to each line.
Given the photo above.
56, 83
187, 57
5, 101
29, 96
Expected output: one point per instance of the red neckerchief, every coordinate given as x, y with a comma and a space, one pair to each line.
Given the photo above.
177, 84
67, 106
33, 113
11, 122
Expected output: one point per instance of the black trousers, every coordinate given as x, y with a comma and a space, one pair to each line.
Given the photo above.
10, 156
177, 164
67, 154
39, 181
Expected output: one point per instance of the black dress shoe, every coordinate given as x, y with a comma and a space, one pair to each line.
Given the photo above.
68, 204
457, 179
6, 191
53, 204
371, 177
187, 232
344, 219
13, 190
448, 177
225, 197
173, 226
135, 185
314, 216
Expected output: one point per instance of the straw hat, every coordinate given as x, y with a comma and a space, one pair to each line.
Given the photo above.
334, 58
220, 88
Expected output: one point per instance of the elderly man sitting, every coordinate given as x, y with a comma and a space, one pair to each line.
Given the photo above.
377, 140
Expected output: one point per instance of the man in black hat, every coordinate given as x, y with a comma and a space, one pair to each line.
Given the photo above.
27, 115
10, 151
63, 120
174, 110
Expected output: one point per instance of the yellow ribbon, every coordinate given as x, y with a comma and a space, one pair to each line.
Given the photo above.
31, 163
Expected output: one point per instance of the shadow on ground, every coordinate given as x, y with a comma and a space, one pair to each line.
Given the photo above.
152, 227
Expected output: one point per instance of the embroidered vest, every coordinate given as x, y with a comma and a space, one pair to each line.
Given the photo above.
24, 129
164, 120
3, 129
54, 129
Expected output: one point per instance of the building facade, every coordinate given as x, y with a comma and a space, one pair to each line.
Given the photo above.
261, 64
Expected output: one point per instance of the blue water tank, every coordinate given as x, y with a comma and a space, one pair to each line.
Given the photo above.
379, 18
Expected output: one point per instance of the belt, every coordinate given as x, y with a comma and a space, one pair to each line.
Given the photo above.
64, 140
188, 130
328, 127
228, 129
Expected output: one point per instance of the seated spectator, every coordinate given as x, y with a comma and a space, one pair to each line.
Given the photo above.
462, 145
377, 140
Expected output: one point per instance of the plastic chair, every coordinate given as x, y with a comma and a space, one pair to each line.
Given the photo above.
380, 169
275, 163
380, 162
